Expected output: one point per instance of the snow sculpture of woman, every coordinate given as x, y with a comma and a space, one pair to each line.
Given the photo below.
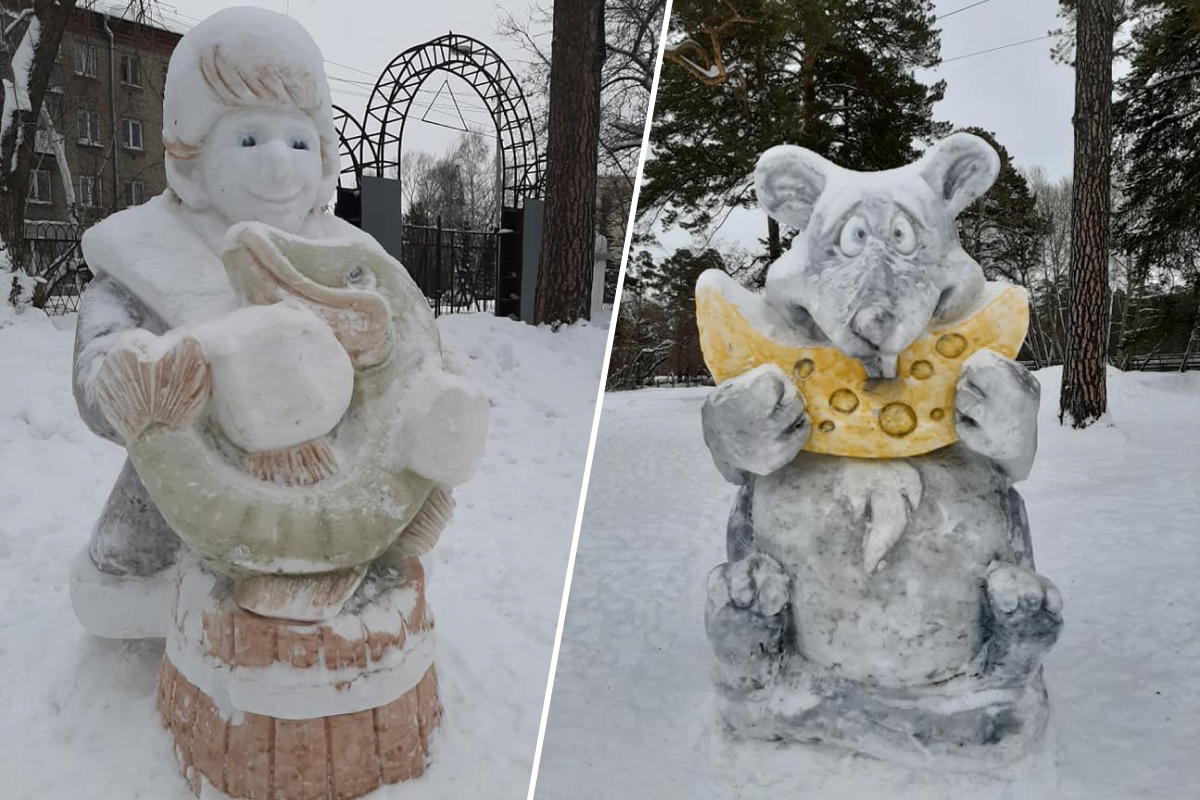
240, 281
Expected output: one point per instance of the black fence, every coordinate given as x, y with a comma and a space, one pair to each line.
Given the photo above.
455, 269
57, 262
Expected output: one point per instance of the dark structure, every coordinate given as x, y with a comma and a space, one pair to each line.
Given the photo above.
373, 150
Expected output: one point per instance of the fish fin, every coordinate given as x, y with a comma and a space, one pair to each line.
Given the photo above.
138, 390
426, 528
302, 465
302, 598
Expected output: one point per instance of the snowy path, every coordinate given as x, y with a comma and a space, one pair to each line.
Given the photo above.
77, 716
1114, 513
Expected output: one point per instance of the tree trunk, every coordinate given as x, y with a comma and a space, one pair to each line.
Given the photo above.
576, 58
1083, 398
774, 246
20, 125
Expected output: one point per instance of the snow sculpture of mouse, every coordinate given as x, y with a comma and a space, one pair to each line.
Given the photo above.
880, 592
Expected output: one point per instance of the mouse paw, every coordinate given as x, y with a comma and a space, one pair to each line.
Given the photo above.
995, 410
1024, 620
755, 424
746, 614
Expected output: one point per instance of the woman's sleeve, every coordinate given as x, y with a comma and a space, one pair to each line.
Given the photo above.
105, 312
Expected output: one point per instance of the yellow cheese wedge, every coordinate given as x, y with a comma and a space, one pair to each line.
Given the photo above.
851, 416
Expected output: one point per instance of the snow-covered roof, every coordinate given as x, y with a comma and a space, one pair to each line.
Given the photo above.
159, 17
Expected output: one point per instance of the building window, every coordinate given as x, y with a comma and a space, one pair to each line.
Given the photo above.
43, 141
90, 191
131, 134
39, 186
89, 127
85, 59
131, 71
135, 193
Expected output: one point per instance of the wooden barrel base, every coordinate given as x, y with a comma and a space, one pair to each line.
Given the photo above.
264, 709
257, 757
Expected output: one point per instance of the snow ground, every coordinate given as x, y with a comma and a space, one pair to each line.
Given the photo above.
77, 715
1113, 511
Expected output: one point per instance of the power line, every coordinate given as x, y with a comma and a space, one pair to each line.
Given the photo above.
994, 49
960, 10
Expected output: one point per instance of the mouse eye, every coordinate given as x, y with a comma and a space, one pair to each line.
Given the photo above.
854, 236
904, 239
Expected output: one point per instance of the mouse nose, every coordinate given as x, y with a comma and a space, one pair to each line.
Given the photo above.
874, 323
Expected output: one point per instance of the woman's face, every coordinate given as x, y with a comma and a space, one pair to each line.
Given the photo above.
263, 166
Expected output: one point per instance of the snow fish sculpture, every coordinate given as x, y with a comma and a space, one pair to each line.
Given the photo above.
305, 509
880, 592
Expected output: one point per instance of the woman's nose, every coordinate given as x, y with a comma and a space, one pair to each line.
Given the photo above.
276, 161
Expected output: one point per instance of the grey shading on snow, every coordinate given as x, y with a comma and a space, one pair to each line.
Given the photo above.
79, 711
1113, 509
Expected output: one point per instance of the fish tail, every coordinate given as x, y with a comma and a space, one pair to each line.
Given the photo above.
426, 528
138, 391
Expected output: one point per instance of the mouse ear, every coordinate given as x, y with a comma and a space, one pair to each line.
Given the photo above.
788, 181
960, 168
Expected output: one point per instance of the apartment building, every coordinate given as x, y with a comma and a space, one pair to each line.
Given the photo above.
105, 106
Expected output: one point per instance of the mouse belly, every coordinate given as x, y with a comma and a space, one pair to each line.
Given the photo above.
915, 618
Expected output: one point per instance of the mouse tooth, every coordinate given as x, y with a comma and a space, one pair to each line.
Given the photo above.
887, 364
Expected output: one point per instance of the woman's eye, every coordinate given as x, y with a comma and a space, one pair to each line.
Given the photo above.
854, 236
904, 238
247, 140
299, 144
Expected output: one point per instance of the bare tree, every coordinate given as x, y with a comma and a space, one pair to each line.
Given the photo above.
30, 122
30, 65
632, 31
459, 188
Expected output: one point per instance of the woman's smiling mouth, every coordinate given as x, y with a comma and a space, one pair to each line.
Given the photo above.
278, 201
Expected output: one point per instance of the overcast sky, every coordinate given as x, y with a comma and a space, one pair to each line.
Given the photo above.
363, 36
1018, 93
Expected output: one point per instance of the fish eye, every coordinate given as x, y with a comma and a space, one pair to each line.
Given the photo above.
853, 237
904, 238
247, 140
360, 278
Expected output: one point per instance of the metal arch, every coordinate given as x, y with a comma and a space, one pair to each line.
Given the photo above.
387, 111
356, 151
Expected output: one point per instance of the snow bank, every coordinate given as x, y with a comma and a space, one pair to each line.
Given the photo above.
1113, 511
79, 716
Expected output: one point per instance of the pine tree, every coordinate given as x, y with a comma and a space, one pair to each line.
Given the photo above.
1157, 122
835, 76
564, 284
673, 283
1083, 398
1003, 229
